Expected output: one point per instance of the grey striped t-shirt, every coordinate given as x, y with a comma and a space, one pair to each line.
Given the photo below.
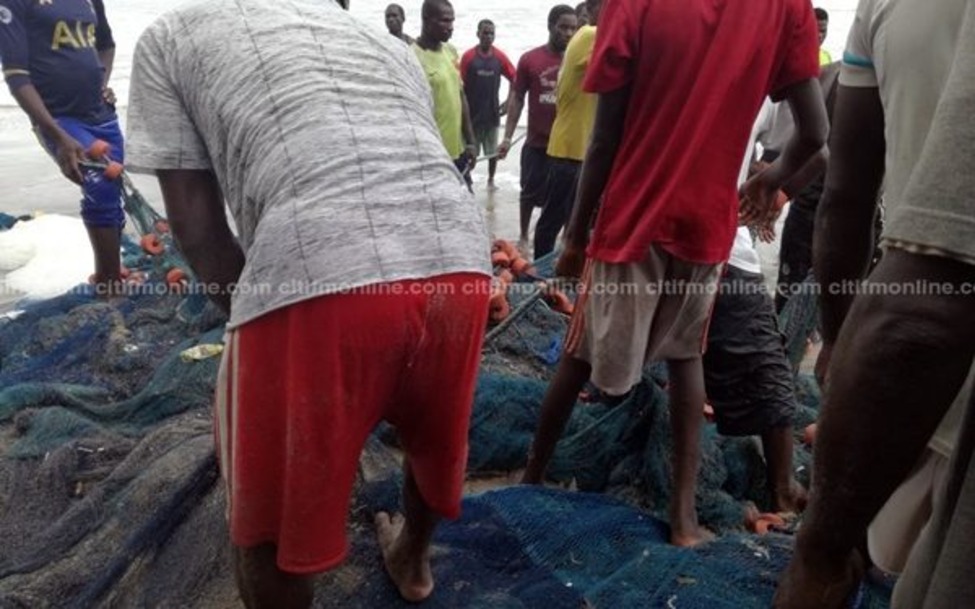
320, 131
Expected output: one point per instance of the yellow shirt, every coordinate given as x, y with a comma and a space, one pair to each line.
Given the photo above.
825, 58
443, 73
575, 110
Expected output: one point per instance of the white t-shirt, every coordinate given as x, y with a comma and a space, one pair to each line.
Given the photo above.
904, 47
321, 133
744, 256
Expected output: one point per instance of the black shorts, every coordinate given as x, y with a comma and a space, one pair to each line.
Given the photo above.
795, 254
534, 176
747, 376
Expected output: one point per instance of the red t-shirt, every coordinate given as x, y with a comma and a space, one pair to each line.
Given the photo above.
700, 70
538, 76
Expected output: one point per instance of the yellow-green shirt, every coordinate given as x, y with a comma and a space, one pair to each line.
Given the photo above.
443, 73
575, 110
824, 57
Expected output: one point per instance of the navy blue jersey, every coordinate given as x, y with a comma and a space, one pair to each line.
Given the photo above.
482, 80
54, 44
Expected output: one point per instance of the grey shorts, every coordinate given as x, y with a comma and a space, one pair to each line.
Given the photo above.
487, 140
633, 313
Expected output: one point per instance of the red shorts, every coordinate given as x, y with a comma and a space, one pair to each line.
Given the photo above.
301, 388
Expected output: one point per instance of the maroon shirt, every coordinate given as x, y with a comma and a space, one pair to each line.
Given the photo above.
538, 75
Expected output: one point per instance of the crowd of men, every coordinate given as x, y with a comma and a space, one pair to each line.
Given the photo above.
644, 118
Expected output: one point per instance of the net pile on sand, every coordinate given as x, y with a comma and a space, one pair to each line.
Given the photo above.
110, 495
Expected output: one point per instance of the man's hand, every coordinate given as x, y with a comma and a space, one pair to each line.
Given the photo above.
759, 200
108, 96
504, 147
571, 262
470, 153
766, 231
69, 154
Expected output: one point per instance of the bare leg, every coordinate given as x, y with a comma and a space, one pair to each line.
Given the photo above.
787, 495
896, 367
262, 585
405, 542
492, 169
557, 406
686, 399
525, 218
105, 242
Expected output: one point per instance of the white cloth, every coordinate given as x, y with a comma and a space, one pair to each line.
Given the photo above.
321, 133
744, 256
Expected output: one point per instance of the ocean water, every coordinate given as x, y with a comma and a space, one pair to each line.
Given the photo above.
30, 182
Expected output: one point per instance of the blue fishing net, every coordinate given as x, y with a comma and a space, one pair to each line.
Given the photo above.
537, 548
111, 496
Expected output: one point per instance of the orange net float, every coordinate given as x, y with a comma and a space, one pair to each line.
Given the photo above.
500, 245
99, 149
506, 277
152, 244
762, 523
521, 267
500, 259
498, 307
559, 302
113, 170
176, 279
809, 435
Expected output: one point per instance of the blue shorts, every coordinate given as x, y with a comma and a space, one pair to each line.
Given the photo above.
101, 203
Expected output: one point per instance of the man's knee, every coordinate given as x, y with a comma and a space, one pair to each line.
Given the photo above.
102, 203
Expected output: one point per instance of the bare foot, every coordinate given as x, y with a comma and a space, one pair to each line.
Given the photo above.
818, 586
410, 573
791, 500
689, 536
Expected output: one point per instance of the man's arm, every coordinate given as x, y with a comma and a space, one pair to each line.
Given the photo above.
606, 136
470, 141
107, 57
104, 41
195, 207
510, 73
809, 137
843, 240
507, 68
516, 103
68, 151
15, 56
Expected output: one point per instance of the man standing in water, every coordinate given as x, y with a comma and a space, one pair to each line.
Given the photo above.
56, 60
395, 18
537, 78
441, 65
363, 262
482, 68
574, 116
